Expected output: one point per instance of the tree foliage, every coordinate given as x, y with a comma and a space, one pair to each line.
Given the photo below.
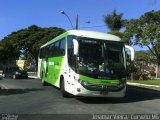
114, 21
27, 42
8, 50
145, 31
144, 56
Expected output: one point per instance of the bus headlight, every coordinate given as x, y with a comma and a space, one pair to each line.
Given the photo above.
75, 78
80, 81
84, 83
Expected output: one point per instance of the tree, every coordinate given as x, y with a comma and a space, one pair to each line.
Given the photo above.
26, 42
145, 31
115, 23
145, 56
8, 53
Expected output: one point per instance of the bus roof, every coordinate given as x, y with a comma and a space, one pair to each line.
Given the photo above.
87, 34
93, 34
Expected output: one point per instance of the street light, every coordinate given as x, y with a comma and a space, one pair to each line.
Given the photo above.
62, 12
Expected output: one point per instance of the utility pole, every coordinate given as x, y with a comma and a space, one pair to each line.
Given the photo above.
77, 22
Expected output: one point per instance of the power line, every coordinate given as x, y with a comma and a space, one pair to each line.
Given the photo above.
94, 26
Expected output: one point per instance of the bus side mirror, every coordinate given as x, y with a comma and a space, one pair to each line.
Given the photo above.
76, 46
131, 50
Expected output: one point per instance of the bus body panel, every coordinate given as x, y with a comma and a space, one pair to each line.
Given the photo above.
52, 68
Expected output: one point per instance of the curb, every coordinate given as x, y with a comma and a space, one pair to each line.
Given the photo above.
145, 85
151, 87
35, 77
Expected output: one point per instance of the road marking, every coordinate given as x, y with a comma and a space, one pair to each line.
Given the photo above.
4, 86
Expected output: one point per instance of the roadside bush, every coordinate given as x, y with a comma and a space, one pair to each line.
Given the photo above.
145, 70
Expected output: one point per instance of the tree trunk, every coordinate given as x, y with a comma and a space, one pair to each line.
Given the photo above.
132, 76
158, 67
158, 70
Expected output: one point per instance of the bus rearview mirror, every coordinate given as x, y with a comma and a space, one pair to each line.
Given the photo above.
76, 46
131, 51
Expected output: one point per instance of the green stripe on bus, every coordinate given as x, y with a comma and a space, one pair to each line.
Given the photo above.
100, 81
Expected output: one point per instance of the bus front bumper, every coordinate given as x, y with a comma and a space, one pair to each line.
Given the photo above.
99, 91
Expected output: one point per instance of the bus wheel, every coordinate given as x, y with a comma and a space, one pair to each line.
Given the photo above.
62, 88
43, 81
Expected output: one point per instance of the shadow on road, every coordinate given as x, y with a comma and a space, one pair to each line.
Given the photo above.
133, 94
17, 91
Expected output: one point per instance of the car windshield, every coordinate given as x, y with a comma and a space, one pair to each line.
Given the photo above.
101, 59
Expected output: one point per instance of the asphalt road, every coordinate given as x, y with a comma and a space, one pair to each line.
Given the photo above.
28, 96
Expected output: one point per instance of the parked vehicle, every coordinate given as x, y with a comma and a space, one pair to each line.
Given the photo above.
15, 73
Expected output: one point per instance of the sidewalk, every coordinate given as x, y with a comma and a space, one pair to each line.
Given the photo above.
32, 75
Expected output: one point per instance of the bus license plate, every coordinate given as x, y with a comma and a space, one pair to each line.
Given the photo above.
103, 92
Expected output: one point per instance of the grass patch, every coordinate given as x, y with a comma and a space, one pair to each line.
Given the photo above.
148, 82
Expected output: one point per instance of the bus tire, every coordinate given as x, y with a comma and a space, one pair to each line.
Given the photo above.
62, 89
43, 81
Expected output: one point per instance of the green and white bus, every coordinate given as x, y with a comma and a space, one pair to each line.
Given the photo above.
85, 63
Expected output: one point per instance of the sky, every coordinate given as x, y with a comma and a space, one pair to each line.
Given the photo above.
19, 14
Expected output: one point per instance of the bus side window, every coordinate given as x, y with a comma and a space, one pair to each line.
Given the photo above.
56, 49
52, 50
62, 47
71, 57
47, 52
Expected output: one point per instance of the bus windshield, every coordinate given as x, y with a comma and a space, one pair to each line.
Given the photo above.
101, 59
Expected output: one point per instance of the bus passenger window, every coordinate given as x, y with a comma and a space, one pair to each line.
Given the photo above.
71, 56
62, 47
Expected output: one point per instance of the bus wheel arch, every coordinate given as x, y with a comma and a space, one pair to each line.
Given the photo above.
62, 87
42, 79
41, 74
